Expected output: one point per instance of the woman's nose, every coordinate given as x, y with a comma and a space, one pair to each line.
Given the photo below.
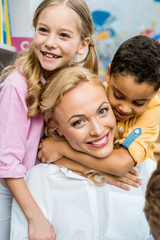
96, 128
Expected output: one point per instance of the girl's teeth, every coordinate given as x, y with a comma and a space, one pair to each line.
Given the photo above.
99, 142
50, 55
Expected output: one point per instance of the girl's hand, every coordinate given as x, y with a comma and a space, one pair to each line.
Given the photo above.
40, 229
49, 150
129, 179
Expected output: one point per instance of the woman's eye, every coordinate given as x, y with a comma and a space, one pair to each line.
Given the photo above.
103, 111
77, 123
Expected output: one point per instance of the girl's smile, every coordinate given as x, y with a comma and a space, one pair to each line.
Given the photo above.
57, 37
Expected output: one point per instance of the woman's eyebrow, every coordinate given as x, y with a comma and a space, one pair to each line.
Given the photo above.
76, 115
83, 115
105, 102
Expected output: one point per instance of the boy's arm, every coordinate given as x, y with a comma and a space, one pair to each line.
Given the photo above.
129, 178
118, 163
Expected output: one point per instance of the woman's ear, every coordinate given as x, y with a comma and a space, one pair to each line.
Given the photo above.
55, 127
108, 73
52, 124
59, 132
84, 46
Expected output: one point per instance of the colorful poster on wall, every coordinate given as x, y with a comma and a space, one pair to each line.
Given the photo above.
22, 44
118, 20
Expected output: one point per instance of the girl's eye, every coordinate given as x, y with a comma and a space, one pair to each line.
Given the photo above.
44, 30
65, 35
77, 123
103, 111
116, 96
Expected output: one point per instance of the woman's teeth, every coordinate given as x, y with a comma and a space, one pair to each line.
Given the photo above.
99, 142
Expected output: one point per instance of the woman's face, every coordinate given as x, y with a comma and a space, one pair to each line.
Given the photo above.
86, 120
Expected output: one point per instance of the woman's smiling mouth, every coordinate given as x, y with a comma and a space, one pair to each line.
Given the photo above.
99, 142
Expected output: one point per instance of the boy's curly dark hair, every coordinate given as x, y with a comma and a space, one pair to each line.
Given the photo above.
138, 56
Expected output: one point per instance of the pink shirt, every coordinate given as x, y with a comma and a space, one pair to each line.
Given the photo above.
19, 135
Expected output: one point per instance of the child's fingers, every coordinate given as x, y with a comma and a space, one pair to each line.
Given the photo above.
129, 181
43, 159
41, 156
42, 143
134, 172
133, 178
40, 146
119, 184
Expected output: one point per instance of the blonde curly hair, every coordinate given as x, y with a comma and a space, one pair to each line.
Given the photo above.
28, 63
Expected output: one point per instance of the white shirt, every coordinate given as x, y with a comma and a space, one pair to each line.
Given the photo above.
79, 210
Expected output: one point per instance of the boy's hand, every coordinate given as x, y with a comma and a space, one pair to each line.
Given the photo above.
129, 179
49, 150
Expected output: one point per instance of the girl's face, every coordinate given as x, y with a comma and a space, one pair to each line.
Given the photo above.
57, 37
86, 120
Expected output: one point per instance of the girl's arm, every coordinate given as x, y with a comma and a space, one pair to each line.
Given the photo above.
39, 226
118, 163
15, 128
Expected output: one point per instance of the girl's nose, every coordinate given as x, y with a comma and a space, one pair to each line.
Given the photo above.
52, 42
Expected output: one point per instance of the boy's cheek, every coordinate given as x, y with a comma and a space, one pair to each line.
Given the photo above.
140, 110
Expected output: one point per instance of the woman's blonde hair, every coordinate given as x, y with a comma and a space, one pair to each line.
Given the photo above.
56, 87
29, 64
61, 82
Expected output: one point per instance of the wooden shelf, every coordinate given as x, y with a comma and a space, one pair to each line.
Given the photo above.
6, 49
7, 54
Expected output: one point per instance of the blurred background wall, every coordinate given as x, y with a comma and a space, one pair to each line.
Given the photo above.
114, 22
118, 20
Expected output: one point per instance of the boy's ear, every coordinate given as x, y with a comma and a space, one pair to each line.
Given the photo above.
108, 73
84, 46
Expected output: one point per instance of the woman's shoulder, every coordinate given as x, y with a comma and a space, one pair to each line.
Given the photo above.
40, 169
39, 174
